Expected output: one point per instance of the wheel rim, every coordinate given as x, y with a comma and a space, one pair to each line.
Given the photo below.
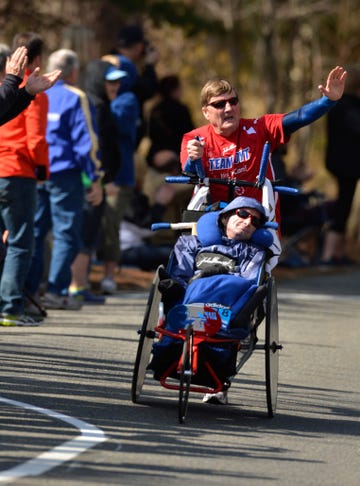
146, 340
185, 376
272, 348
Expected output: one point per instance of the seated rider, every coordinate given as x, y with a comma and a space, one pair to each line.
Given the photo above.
233, 253
203, 268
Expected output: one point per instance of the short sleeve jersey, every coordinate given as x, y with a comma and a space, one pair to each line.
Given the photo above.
239, 155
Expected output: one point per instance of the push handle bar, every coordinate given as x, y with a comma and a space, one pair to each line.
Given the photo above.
200, 177
263, 165
207, 181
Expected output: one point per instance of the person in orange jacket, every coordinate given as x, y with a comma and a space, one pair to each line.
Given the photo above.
24, 156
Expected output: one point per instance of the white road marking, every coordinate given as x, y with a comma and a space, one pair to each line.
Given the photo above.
89, 437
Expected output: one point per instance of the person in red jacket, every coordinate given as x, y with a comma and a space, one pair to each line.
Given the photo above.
24, 156
231, 147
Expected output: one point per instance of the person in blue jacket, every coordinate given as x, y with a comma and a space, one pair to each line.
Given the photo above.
125, 110
102, 80
234, 252
73, 151
204, 267
228, 249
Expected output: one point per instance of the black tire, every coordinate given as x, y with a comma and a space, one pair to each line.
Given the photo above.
272, 347
146, 340
185, 375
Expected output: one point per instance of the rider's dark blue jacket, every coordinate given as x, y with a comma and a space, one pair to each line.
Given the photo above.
242, 258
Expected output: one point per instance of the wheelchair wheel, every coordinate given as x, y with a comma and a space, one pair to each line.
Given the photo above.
146, 339
185, 374
272, 347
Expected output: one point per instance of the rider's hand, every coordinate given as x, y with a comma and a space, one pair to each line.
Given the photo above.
195, 149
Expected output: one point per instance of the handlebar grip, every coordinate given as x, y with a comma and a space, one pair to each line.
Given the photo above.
263, 164
178, 179
290, 191
157, 226
199, 168
183, 225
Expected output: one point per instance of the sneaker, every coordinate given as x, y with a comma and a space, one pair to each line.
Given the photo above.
108, 285
17, 320
219, 398
61, 302
87, 297
34, 311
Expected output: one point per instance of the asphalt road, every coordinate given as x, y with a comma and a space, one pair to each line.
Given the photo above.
66, 417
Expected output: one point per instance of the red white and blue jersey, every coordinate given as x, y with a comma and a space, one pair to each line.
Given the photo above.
239, 155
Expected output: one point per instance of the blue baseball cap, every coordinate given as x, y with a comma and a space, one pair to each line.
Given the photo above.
114, 74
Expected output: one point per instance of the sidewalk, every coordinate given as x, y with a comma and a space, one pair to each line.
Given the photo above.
132, 278
128, 278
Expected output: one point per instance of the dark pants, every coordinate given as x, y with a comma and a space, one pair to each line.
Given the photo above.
346, 192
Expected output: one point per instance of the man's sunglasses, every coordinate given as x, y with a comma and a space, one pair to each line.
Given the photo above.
255, 221
219, 105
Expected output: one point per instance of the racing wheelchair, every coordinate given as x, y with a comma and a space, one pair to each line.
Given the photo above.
200, 345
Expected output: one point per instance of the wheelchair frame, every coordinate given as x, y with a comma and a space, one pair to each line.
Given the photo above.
152, 329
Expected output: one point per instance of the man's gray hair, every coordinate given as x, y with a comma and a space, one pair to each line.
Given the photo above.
64, 59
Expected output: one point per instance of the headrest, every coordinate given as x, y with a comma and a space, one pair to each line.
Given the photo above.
209, 233
207, 229
262, 237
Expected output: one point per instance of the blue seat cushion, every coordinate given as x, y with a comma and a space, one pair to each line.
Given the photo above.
207, 229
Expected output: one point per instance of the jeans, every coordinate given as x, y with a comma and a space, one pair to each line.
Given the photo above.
60, 206
17, 209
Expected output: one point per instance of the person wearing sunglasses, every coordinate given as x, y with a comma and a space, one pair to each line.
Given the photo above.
234, 252
229, 248
230, 146
201, 264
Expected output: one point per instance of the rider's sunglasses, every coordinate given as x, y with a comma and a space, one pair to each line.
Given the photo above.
255, 221
219, 105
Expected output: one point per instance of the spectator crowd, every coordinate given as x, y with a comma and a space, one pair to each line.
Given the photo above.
68, 181
71, 187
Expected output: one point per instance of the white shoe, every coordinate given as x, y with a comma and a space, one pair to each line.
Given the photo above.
108, 285
61, 302
219, 398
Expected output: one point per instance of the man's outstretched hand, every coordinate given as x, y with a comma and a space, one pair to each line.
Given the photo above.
335, 84
37, 83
